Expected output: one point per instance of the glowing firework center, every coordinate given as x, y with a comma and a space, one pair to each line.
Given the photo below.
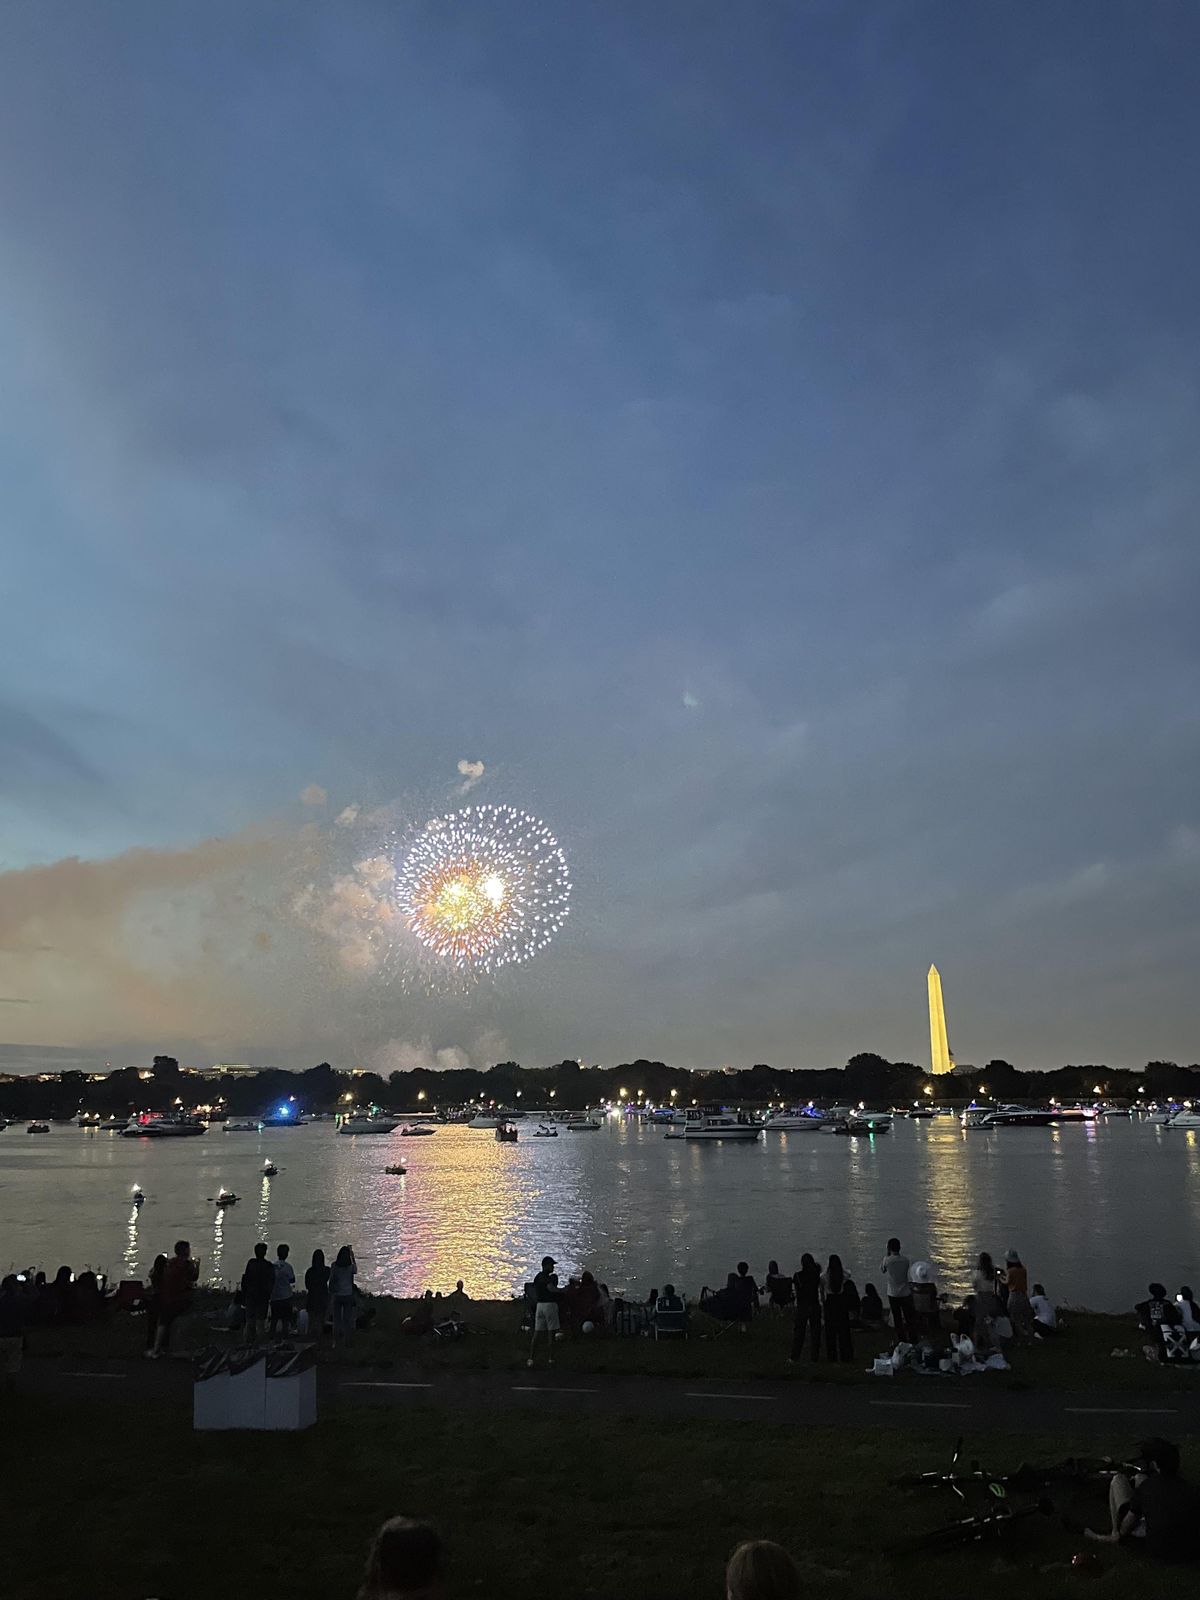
484, 887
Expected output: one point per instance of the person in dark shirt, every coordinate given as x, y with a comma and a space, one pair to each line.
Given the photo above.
1158, 1512
779, 1287
316, 1294
257, 1282
743, 1294
807, 1284
1158, 1313
175, 1293
546, 1298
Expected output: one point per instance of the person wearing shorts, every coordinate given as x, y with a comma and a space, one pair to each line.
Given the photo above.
545, 1309
1158, 1511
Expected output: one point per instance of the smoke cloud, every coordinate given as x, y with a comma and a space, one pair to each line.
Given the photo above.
472, 773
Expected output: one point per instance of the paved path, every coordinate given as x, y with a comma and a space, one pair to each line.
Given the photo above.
966, 1405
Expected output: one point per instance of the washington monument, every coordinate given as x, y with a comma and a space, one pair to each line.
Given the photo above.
939, 1049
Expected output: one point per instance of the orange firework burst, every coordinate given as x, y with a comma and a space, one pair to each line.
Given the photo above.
484, 887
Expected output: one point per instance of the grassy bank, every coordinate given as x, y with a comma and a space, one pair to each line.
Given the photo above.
528, 1503
1081, 1359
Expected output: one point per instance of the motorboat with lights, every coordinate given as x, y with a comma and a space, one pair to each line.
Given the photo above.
728, 1129
865, 1122
1185, 1117
1019, 1117
808, 1121
493, 1119
168, 1125
285, 1116
242, 1125
366, 1123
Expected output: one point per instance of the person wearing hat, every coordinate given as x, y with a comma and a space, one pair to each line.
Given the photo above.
924, 1296
545, 1309
1020, 1312
1157, 1511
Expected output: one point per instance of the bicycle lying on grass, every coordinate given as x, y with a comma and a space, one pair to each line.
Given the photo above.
998, 1514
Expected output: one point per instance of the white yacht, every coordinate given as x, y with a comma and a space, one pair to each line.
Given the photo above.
1185, 1117
494, 1119
795, 1122
364, 1123
724, 1128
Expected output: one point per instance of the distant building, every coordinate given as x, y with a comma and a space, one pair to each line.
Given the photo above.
941, 1060
228, 1072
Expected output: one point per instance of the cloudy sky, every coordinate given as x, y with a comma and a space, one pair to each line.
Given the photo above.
766, 439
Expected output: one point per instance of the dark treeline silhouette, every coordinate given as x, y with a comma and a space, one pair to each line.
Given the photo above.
570, 1086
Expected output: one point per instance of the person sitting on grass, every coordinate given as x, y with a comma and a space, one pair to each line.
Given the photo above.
1045, 1318
1158, 1511
760, 1570
1189, 1311
545, 1310
405, 1559
779, 1288
1157, 1313
870, 1310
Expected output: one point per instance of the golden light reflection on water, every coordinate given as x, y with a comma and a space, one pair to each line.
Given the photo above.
130, 1254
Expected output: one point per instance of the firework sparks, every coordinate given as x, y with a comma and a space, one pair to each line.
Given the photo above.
484, 887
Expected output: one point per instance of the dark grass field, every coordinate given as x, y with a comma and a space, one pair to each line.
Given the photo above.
126, 1503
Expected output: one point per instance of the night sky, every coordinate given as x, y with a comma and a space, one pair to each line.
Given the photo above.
767, 438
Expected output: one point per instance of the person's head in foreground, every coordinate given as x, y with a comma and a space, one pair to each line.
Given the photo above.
1160, 1455
405, 1559
760, 1570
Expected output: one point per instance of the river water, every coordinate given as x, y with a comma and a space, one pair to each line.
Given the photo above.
1096, 1210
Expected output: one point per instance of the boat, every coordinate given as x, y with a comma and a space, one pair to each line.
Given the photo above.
410, 1132
727, 1129
1185, 1117
977, 1117
170, 1125
38, 1127
285, 1117
226, 1197
90, 1120
368, 1124
583, 1125
795, 1122
114, 1124
506, 1133
1018, 1117
865, 1122
243, 1125
395, 1172
1072, 1114
270, 1170
545, 1132
920, 1114
494, 1119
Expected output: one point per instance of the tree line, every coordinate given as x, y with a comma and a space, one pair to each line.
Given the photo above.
569, 1086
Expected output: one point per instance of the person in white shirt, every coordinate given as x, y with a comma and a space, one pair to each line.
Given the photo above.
1045, 1318
283, 1294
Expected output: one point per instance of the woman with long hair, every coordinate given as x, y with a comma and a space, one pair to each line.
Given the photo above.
807, 1286
839, 1346
341, 1293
